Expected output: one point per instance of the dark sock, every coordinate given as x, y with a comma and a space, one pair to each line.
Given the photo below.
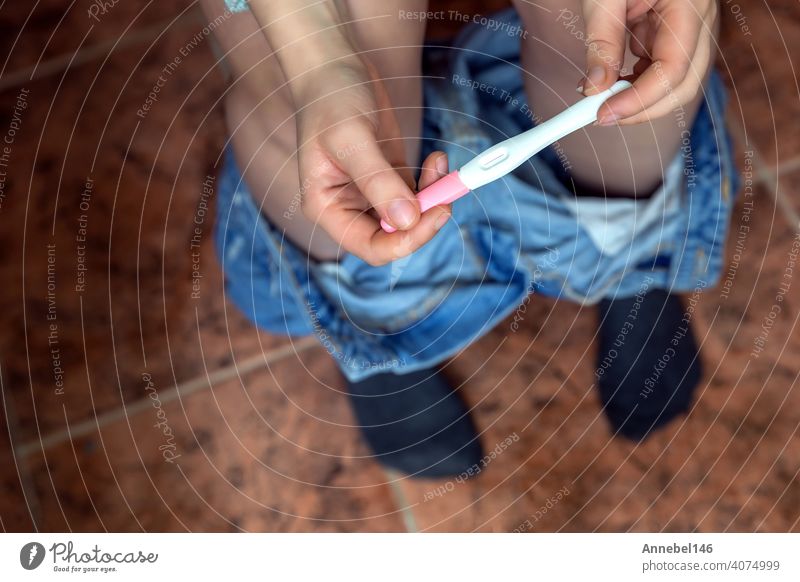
647, 376
416, 424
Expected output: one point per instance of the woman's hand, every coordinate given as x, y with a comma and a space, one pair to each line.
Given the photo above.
673, 40
353, 170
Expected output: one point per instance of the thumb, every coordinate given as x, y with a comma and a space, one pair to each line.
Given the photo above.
379, 182
605, 43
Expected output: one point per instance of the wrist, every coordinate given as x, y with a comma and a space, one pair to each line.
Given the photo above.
310, 42
327, 79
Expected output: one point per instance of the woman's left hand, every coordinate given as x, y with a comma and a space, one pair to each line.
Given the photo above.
673, 40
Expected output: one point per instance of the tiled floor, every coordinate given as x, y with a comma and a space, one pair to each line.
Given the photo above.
260, 436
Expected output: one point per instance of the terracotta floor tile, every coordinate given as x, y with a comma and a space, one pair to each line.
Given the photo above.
789, 186
49, 29
275, 451
137, 312
760, 42
16, 510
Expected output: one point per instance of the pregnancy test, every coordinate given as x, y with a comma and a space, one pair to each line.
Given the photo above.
505, 157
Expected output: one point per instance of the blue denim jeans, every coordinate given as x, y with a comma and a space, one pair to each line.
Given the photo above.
524, 234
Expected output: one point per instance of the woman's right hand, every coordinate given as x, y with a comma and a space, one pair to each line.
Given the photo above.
353, 171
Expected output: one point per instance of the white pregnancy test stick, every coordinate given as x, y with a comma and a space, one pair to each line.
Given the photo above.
505, 157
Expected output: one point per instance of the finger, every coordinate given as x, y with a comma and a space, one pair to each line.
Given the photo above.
684, 93
434, 167
640, 67
386, 247
639, 41
360, 234
674, 46
378, 181
639, 9
605, 30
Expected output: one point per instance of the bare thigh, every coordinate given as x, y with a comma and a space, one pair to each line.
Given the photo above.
627, 160
259, 111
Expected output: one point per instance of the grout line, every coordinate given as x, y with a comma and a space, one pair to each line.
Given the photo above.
82, 56
173, 393
764, 176
32, 501
790, 166
400, 500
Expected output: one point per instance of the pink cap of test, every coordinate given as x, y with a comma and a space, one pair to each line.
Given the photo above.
443, 191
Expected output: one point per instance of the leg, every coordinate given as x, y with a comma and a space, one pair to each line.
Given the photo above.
414, 423
615, 160
261, 122
638, 390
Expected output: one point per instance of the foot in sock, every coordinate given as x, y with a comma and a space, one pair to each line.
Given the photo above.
648, 362
416, 424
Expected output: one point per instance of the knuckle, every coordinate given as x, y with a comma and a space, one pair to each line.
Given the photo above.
670, 74
683, 68
597, 43
339, 137
370, 183
374, 260
335, 134
605, 49
405, 245
691, 92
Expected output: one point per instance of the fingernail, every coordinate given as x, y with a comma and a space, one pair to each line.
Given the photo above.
402, 213
596, 75
579, 88
441, 165
440, 222
607, 118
